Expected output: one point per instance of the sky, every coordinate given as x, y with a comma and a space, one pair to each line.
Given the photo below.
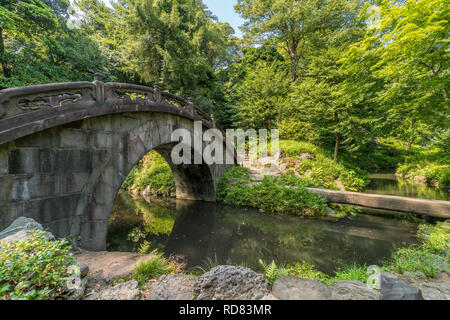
224, 10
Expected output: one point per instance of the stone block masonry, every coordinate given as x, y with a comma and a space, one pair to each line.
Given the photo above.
66, 148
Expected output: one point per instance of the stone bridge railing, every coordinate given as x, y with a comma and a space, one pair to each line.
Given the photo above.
19, 106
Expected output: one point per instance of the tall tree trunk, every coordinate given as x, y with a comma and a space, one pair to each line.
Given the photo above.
444, 94
411, 138
293, 56
5, 67
409, 145
338, 138
336, 146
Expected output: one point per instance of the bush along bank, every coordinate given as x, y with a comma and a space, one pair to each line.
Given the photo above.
152, 176
315, 164
35, 267
426, 165
278, 184
398, 280
432, 174
271, 194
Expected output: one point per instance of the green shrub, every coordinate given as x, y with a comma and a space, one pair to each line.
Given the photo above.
272, 272
435, 174
154, 267
323, 170
34, 268
271, 195
416, 259
291, 180
430, 257
230, 177
305, 270
347, 273
429, 164
436, 237
151, 171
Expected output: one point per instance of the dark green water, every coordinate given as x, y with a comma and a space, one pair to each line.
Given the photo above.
388, 184
199, 230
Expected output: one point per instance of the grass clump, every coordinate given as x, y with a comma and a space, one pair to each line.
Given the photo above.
347, 273
154, 267
307, 271
436, 237
416, 259
157, 265
207, 264
271, 195
430, 257
34, 269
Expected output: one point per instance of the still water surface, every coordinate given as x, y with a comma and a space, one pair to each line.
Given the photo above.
199, 230
388, 184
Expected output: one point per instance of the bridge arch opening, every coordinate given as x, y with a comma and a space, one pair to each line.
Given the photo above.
66, 148
155, 179
139, 134
67, 177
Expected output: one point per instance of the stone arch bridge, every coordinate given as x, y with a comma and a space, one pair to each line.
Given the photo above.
66, 148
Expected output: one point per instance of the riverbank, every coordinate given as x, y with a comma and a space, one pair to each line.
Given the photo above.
298, 164
415, 272
152, 175
422, 165
410, 274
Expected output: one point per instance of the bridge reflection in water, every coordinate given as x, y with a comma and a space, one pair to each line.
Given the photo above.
200, 230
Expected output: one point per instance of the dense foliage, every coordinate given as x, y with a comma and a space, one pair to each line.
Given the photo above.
322, 170
430, 257
153, 172
271, 195
34, 268
341, 74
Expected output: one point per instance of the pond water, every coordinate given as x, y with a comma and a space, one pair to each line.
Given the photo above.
388, 184
199, 230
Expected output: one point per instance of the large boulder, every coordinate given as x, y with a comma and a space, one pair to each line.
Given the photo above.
432, 289
172, 287
124, 291
307, 156
396, 289
19, 230
231, 283
354, 290
294, 288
